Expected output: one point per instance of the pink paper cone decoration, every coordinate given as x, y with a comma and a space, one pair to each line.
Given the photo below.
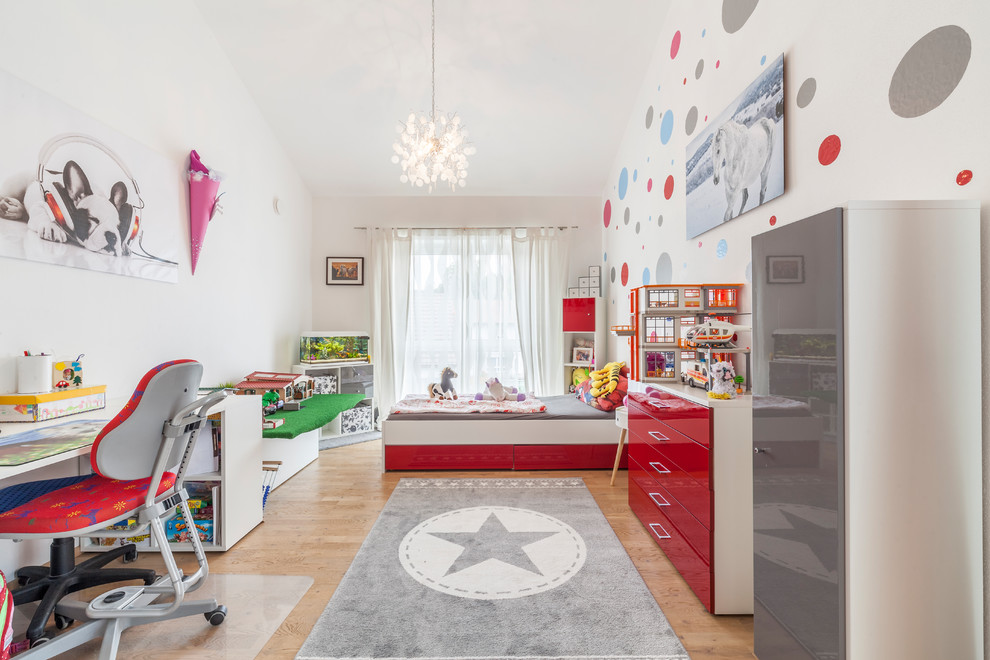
203, 186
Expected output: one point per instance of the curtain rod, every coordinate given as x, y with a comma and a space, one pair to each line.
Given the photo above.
501, 227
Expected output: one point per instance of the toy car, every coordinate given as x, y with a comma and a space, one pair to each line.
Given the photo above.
695, 374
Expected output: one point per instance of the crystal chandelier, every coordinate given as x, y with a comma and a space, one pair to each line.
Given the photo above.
432, 148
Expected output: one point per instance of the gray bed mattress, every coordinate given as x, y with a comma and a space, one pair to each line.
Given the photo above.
565, 406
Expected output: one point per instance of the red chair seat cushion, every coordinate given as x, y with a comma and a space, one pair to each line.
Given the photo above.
93, 501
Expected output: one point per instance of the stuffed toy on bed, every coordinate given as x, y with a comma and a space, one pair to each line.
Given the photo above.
606, 388
445, 388
496, 391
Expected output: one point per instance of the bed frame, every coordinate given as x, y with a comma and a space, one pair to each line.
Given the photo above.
489, 443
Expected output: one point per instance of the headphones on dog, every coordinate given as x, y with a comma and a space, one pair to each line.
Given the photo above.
82, 148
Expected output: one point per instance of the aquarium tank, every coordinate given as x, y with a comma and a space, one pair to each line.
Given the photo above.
322, 347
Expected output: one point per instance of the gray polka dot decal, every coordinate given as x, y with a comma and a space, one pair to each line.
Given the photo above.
930, 71
699, 69
625, 217
665, 269
660, 220
611, 275
735, 13
649, 116
807, 92
691, 121
749, 272
637, 227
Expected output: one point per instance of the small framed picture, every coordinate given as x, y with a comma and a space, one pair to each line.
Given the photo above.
573, 292
345, 270
594, 271
595, 292
582, 354
584, 292
785, 270
584, 282
594, 281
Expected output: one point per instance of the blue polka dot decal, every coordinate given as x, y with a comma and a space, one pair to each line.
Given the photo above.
763, 60
721, 249
666, 127
623, 183
646, 276
635, 174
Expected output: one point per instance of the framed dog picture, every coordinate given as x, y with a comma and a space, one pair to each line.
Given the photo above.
345, 270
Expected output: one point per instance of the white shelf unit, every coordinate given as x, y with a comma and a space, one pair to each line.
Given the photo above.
348, 377
575, 309
239, 477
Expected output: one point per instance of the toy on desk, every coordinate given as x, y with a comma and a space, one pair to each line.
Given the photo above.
723, 381
496, 391
271, 402
445, 388
67, 373
714, 333
288, 387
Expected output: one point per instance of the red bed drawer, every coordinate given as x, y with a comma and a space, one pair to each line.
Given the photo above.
449, 457
675, 448
692, 495
565, 457
693, 567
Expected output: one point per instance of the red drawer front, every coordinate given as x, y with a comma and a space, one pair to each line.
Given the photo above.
566, 457
687, 454
689, 493
449, 457
579, 314
689, 526
693, 567
691, 419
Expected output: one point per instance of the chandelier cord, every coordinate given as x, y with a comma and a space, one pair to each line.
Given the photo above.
433, 57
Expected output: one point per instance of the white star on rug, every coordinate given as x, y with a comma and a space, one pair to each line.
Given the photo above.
493, 541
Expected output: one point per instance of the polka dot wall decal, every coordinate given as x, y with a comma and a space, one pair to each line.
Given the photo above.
703, 33
659, 220
735, 13
649, 116
623, 183
607, 213
675, 44
668, 186
625, 274
646, 277
763, 60
635, 174
749, 272
665, 269
699, 245
829, 150
604, 256
612, 275
718, 63
666, 126
637, 227
773, 220
964, 177
685, 81
929, 72
625, 216
807, 92
649, 185
699, 69
691, 121
721, 249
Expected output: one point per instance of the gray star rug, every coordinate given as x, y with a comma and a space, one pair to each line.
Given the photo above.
492, 568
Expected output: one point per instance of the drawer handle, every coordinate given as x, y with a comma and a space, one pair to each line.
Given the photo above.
662, 502
661, 469
659, 436
653, 528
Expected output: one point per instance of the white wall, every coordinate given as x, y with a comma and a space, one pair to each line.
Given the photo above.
153, 72
338, 308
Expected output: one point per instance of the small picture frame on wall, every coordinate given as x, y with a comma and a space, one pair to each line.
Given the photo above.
573, 292
595, 292
345, 270
785, 270
594, 271
584, 282
594, 281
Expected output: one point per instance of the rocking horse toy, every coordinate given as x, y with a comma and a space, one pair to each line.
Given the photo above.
445, 388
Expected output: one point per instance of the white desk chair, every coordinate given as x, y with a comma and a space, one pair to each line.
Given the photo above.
622, 421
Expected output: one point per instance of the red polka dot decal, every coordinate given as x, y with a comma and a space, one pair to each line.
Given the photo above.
773, 220
668, 187
717, 63
699, 243
829, 150
964, 177
608, 211
625, 271
675, 44
649, 185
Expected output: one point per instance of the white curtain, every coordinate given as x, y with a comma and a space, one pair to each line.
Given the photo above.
540, 261
485, 302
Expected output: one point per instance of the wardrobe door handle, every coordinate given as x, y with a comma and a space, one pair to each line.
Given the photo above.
664, 535
661, 469
663, 501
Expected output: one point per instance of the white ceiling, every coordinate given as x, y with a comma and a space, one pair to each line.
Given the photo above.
544, 87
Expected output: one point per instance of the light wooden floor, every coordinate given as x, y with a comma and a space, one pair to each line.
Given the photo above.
315, 523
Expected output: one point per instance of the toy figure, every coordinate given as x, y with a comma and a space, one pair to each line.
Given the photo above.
724, 381
445, 388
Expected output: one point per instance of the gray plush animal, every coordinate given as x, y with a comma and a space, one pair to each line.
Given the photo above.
445, 388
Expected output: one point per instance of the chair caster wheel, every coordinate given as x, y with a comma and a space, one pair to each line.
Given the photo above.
130, 555
217, 616
38, 642
63, 622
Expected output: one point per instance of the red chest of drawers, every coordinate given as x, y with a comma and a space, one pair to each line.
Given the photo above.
690, 484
